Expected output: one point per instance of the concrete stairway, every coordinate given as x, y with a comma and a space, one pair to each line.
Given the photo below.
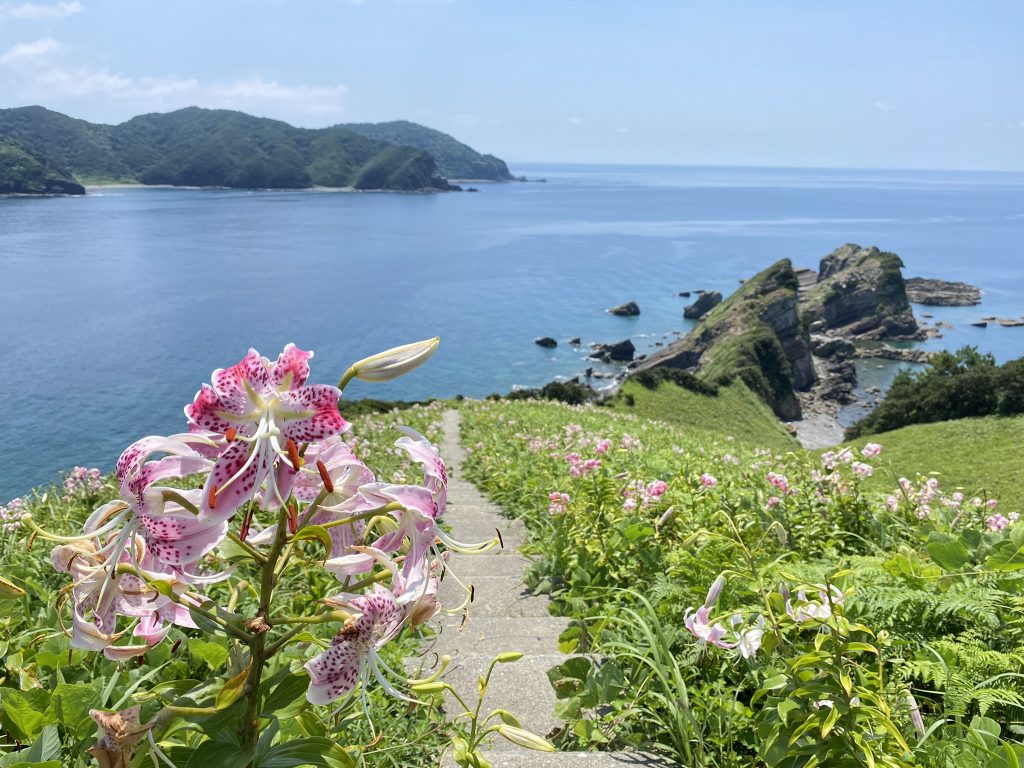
503, 617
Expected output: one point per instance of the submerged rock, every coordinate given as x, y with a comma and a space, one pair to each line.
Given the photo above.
545, 341
942, 293
575, 341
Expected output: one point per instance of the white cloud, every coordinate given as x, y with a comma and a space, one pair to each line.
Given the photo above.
881, 106
574, 120
257, 93
31, 11
30, 50
622, 130
83, 82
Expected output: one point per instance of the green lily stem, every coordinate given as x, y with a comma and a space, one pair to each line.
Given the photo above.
250, 550
258, 655
346, 378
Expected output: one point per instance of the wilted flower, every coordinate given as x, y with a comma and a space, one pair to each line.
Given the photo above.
119, 733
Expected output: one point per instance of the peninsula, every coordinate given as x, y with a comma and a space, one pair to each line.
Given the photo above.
222, 148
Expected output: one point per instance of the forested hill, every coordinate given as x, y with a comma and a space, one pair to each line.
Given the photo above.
22, 172
202, 147
455, 160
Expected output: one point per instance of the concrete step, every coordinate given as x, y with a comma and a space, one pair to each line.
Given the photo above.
489, 636
496, 597
521, 687
522, 758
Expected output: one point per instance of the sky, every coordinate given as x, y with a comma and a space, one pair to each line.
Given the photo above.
893, 84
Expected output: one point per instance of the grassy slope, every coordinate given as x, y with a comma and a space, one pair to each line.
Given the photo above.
983, 456
735, 412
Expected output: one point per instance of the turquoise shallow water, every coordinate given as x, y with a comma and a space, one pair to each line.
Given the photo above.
115, 307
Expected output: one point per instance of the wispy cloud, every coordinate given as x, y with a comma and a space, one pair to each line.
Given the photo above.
622, 130
258, 93
882, 106
31, 11
574, 120
30, 50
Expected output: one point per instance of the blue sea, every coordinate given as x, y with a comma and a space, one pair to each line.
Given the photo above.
115, 307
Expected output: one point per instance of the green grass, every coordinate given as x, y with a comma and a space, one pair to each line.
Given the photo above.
981, 456
735, 413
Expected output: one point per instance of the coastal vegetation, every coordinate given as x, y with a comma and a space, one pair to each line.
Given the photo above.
202, 147
22, 172
738, 606
953, 385
454, 159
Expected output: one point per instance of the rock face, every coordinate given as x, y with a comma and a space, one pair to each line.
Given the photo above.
942, 293
756, 335
860, 293
831, 347
617, 351
629, 309
705, 303
545, 341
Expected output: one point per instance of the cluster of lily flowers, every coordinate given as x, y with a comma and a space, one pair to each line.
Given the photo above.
745, 635
262, 446
925, 499
82, 480
639, 494
10, 515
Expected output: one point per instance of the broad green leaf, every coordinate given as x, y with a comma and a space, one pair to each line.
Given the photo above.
43, 753
288, 697
949, 553
211, 653
216, 753
23, 712
318, 752
75, 701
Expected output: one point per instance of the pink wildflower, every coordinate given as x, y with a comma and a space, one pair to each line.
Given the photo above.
871, 450
779, 481
861, 469
708, 481
603, 446
773, 501
996, 522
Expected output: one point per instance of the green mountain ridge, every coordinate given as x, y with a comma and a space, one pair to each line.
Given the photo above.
223, 148
455, 160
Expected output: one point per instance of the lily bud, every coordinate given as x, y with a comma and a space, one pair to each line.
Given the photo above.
10, 591
716, 590
526, 739
395, 362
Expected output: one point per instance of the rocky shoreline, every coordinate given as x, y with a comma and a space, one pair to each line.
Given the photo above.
793, 335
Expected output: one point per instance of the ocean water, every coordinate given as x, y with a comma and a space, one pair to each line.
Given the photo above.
115, 307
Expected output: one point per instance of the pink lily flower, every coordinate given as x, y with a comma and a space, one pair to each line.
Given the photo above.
435, 474
699, 625
265, 411
352, 656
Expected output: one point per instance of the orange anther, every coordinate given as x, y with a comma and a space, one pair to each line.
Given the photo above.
293, 454
230, 434
212, 498
328, 483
